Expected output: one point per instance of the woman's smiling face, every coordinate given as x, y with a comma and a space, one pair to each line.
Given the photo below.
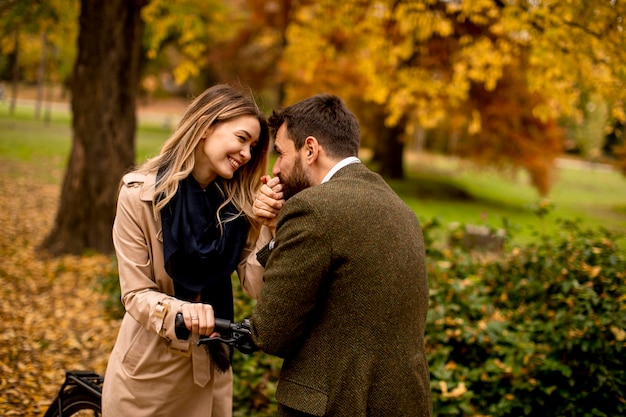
227, 146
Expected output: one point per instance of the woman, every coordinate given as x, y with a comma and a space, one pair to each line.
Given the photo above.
183, 225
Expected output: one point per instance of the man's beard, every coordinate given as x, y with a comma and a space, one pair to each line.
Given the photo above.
296, 182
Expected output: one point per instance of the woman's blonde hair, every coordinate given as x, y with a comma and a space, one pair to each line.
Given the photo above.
176, 160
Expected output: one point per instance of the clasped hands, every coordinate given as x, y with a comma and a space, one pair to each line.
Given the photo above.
269, 201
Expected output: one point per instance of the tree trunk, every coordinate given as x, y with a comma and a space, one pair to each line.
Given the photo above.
104, 90
389, 147
41, 74
392, 162
15, 71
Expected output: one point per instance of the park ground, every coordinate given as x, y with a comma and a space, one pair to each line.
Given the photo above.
51, 311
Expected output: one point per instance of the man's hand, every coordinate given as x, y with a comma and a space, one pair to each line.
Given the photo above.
269, 201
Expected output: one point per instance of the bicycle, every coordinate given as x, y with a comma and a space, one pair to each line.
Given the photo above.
80, 395
81, 392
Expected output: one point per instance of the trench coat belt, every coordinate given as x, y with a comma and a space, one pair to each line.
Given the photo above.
201, 365
200, 362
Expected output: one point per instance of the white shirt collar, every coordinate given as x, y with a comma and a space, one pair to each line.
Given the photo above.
349, 160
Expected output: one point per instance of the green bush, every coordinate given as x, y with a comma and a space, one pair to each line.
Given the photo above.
539, 330
109, 284
254, 376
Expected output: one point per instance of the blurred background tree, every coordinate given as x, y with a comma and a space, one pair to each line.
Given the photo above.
509, 84
37, 44
495, 76
104, 85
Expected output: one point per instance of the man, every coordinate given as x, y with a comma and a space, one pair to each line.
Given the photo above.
345, 295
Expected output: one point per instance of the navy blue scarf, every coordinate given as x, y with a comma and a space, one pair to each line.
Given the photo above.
198, 256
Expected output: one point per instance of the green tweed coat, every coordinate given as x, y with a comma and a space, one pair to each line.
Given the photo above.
345, 301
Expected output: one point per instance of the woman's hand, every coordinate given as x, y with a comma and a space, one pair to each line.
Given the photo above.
269, 201
199, 318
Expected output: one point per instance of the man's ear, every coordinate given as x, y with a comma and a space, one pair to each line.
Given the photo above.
311, 146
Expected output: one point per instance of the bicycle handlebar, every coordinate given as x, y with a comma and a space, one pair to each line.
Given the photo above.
236, 334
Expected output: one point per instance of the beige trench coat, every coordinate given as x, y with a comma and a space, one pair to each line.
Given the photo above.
150, 372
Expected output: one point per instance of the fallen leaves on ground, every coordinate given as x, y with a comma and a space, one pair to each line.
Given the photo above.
52, 317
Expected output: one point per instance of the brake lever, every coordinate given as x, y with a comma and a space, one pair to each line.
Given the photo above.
236, 334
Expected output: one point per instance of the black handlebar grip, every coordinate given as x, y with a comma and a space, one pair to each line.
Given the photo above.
182, 332
222, 325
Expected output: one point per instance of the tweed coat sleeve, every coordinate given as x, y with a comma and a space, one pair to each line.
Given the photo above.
304, 250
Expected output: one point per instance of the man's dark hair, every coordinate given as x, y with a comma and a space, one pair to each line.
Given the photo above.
325, 117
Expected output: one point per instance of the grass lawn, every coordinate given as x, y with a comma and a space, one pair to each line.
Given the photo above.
436, 187
455, 192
